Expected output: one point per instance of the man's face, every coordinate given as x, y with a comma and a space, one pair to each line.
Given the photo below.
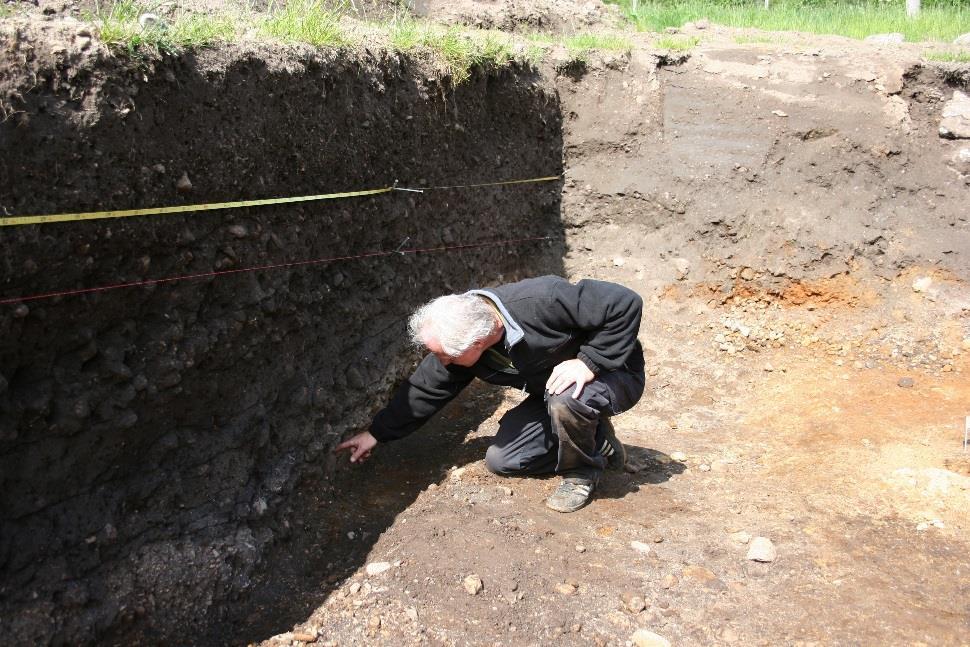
468, 358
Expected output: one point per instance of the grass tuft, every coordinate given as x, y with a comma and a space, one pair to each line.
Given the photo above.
306, 21
941, 20
460, 50
678, 43
580, 46
748, 39
120, 29
948, 57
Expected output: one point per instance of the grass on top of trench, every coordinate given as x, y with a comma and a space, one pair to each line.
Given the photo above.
315, 22
949, 57
459, 49
941, 20
119, 27
677, 43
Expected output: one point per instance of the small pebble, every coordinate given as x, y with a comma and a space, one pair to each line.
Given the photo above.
634, 603
640, 547
376, 568
580, 549
762, 550
669, 581
644, 638
906, 382
184, 184
678, 456
473, 584
565, 589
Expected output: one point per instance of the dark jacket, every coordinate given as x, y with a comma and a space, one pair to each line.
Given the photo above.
547, 321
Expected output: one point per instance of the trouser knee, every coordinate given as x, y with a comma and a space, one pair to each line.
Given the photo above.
565, 407
498, 462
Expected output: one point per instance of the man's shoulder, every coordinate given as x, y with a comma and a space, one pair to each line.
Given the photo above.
531, 288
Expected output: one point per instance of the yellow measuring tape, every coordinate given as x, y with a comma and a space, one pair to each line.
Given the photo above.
153, 211
95, 215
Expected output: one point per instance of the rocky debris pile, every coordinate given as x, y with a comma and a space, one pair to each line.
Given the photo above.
899, 334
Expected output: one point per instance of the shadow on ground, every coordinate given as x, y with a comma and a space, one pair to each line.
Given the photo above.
335, 523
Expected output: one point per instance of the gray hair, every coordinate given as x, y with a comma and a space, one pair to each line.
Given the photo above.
456, 320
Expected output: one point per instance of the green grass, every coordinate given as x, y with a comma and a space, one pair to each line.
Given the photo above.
119, 28
940, 20
949, 57
306, 21
580, 46
459, 50
678, 43
748, 39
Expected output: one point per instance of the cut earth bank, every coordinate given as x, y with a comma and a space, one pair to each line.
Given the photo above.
788, 211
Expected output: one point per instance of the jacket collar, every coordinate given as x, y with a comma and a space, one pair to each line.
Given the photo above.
513, 331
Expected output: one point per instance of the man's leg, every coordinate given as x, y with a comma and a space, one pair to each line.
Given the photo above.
525, 443
576, 423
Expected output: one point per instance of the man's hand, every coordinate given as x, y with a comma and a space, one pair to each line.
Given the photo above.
570, 372
360, 446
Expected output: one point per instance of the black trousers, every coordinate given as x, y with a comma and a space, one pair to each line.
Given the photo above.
559, 433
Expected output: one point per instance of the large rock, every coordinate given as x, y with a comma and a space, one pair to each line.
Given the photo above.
955, 123
962, 40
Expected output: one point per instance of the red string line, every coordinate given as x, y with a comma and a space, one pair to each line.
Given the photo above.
258, 268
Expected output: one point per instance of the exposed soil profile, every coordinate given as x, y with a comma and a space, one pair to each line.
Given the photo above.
796, 225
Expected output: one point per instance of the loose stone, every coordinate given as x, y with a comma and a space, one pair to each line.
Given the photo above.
762, 550
644, 638
634, 603
184, 184
640, 547
906, 382
473, 584
376, 568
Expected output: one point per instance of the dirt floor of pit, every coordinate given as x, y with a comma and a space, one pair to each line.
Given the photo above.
825, 414
860, 484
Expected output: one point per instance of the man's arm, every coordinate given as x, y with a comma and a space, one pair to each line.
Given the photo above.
610, 314
429, 388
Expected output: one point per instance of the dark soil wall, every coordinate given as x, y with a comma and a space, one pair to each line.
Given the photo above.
150, 437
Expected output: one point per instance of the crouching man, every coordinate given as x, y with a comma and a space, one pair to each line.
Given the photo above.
572, 348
